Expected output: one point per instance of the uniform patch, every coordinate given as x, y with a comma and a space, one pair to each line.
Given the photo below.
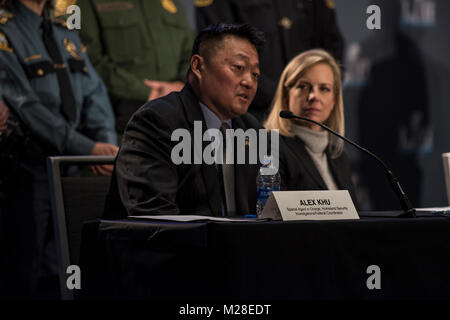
169, 6
330, 4
72, 49
4, 44
203, 3
62, 5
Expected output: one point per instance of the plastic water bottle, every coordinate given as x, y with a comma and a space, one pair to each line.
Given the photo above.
266, 183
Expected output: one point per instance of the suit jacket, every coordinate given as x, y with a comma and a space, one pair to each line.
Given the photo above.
147, 182
299, 172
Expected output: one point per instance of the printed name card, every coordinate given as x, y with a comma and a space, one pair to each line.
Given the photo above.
310, 205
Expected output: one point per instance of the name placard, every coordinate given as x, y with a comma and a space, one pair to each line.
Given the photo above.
310, 205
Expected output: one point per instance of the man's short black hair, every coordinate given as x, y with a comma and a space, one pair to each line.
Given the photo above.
210, 37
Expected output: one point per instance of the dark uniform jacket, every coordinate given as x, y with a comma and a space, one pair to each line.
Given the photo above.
290, 27
298, 171
147, 182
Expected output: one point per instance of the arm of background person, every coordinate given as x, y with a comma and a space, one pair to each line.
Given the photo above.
97, 118
53, 129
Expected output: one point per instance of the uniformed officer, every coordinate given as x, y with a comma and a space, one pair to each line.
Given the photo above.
290, 27
61, 104
140, 48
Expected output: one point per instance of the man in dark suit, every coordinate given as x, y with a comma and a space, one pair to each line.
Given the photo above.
221, 84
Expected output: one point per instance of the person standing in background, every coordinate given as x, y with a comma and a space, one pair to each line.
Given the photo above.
140, 48
60, 107
290, 27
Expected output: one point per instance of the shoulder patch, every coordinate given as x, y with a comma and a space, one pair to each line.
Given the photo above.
168, 5
203, 3
330, 4
5, 16
4, 44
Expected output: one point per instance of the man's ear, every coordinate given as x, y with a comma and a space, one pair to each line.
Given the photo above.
197, 65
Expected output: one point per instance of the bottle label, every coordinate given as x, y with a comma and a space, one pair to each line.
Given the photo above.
264, 193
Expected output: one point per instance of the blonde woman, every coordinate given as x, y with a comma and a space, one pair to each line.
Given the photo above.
310, 157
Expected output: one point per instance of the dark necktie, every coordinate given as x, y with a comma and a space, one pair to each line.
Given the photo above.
65, 88
228, 177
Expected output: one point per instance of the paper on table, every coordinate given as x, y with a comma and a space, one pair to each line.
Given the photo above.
189, 218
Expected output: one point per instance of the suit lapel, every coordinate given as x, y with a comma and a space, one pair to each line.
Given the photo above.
298, 149
193, 113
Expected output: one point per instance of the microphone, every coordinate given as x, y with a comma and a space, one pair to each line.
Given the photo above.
393, 180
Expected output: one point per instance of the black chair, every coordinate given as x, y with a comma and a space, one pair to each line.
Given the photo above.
75, 200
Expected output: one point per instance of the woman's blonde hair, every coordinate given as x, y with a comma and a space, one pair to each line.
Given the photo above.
295, 69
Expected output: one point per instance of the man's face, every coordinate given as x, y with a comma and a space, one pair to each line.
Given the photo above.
229, 79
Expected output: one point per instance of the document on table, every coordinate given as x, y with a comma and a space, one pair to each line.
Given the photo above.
190, 218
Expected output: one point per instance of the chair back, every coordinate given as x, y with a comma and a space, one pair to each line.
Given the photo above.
75, 200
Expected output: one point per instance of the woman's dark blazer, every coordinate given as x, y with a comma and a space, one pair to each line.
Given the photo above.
298, 171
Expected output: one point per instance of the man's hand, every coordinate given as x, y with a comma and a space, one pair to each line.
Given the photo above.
3, 116
103, 149
162, 88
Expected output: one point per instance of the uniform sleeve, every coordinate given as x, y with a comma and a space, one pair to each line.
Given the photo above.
97, 116
52, 128
118, 80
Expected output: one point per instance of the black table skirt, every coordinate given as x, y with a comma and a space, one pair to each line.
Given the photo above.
278, 261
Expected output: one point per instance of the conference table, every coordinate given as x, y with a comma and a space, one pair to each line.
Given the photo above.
379, 256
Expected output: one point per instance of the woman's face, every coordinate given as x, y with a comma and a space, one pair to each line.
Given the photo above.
313, 95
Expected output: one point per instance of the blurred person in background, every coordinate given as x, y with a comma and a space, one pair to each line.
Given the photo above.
57, 106
141, 49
